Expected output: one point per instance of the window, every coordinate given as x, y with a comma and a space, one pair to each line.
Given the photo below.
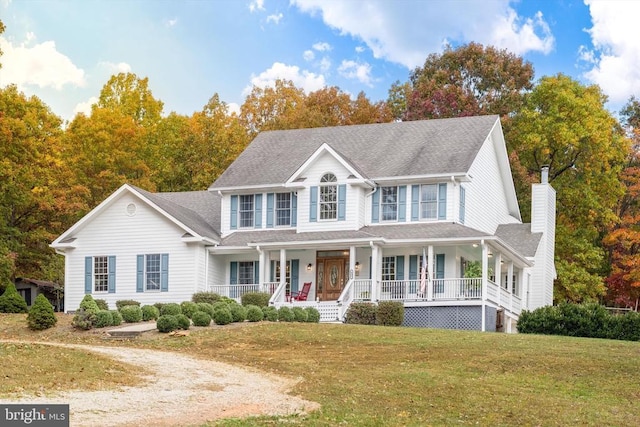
283, 209
246, 274
328, 197
245, 211
429, 201
389, 203
100, 274
389, 268
152, 272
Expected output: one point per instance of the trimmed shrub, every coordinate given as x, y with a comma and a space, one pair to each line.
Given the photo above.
117, 318
254, 313
124, 302
220, 304
260, 299
361, 313
210, 297
158, 305
83, 319
150, 312
270, 313
206, 307
285, 314
222, 316
390, 313
89, 305
131, 313
41, 315
171, 308
102, 304
188, 308
299, 315
200, 318
313, 315
11, 301
238, 312
183, 321
167, 323
104, 318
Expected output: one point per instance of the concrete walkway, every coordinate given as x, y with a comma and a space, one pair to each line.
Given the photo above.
132, 330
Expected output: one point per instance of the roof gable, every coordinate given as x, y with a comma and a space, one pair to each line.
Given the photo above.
381, 150
325, 148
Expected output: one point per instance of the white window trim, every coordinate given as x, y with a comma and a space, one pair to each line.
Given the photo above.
420, 202
241, 211
95, 273
275, 213
324, 185
145, 282
382, 204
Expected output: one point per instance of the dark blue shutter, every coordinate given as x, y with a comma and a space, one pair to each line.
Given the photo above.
269, 210
415, 202
375, 206
295, 274
88, 274
234, 212
294, 209
370, 267
233, 276
112, 274
140, 273
400, 267
413, 267
256, 272
257, 211
440, 266
342, 202
164, 273
313, 204
442, 201
402, 203
462, 204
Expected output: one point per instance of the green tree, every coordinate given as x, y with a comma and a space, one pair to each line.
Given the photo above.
41, 315
131, 96
466, 81
566, 126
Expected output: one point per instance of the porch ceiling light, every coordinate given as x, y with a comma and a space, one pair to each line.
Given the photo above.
357, 265
309, 267
475, 245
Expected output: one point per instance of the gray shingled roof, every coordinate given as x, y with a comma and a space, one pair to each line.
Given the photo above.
390, 232
520, 238
198, 210
422, 147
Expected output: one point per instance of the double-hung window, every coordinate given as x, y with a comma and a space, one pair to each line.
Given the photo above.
246, 211
100, 274
328, 197
283, 209
388, 268
152, 272
389, 203
246, 273
429, 201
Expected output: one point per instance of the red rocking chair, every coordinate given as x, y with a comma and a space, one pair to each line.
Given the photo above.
302, 294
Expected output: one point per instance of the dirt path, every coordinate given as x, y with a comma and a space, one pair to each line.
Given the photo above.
181, 391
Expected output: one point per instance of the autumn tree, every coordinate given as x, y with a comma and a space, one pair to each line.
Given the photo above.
130, 95
466, 81
566, 126
272, 108
623, 238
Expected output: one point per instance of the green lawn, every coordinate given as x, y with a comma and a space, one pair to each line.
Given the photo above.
368, 376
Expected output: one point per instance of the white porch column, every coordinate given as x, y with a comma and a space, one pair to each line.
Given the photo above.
375, 266
497, 271
267, 265
263, 265
510, 284
485, 270
430, 273
352, 263
283, 265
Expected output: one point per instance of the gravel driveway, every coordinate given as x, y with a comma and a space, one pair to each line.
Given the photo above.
180, 391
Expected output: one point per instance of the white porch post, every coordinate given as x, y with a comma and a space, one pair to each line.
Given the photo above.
262, 265
283, 266
352, 263
430, 273
375, 256
497, 271
485, 268
267, 265
510, 284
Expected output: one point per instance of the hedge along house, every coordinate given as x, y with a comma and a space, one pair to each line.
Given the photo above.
421, 212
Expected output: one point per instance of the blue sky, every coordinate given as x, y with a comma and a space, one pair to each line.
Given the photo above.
65, 51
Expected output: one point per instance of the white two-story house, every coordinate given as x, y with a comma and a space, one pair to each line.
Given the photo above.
421, 212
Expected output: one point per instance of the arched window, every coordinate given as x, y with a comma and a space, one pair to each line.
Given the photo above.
328, 196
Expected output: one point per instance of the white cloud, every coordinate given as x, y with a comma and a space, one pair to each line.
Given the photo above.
325, 64
5, 3
322, 46
275, 18
407, 32
256, 5
120, 67
308, 55
359, 49
39, 65
232, 108
355, 70
85, 107
171, 22
304, 79
615, 57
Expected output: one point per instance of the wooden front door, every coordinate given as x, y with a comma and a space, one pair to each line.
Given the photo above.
331, 278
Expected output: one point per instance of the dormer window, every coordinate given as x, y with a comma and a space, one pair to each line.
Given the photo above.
328, 197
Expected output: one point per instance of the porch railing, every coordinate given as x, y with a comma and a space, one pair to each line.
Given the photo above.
361, 289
